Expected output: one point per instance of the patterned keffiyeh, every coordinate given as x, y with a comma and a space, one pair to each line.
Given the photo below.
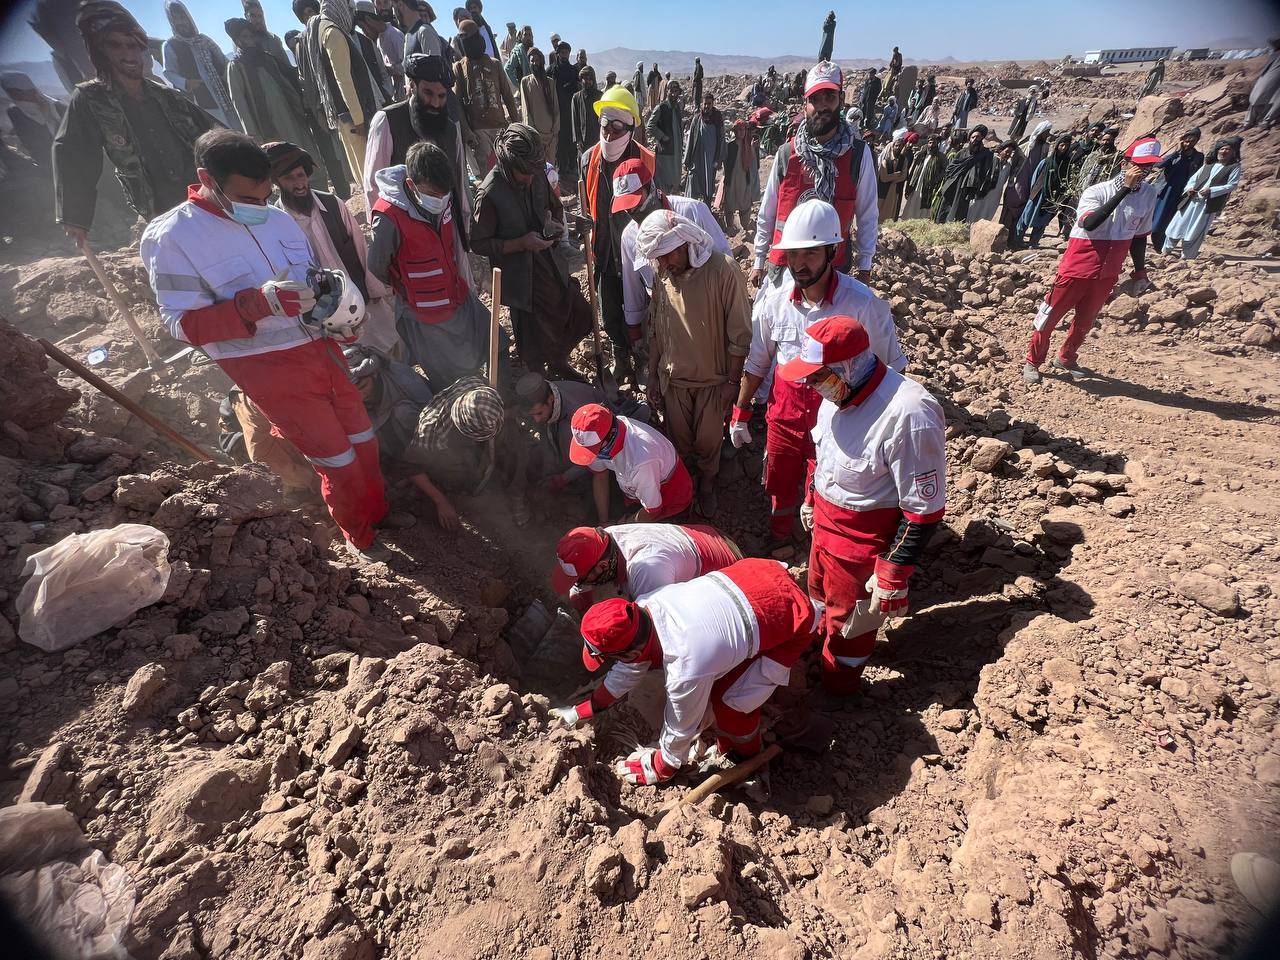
819, 159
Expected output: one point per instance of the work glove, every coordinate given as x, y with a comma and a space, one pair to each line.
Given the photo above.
287, 298
645, 767
888, 588
581, 598
806, 517
739, 432
569, 716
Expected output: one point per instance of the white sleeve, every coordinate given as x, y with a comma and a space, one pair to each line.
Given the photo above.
170, 61
760, 357
682, 721
867, 217
707, 221
622, 678
635, 293
879, 321
648, 484
377, 155
767, 217
917, 458
175, 281
1232, 182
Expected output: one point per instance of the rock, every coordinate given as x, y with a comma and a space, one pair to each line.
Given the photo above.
988, 236
137, 491
346, 943
29, 396
222, 623
1167, 310
1258, 335
1175, 687
1151, 114
1199, 296
820, 805
341, 746
953, 720
989, 453
1124, 307
342, 786
699, 888
41, 775
1267, 769
979, 906
93, 448
1211, 594
457, 848
143, 688
197, 804
604, 871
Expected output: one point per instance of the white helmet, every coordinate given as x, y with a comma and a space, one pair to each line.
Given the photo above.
812, 223
339, 309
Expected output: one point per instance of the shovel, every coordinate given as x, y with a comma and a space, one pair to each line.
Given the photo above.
154, 360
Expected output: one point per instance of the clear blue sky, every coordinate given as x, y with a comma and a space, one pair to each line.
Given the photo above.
924, 29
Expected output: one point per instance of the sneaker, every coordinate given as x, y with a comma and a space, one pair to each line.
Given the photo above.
376, 552
1073, 370
1030, 374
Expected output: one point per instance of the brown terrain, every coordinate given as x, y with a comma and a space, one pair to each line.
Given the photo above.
1058, 755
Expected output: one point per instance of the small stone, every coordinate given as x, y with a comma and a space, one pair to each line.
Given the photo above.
953, 720
1266, 769
604, 870
341, 746
1175, 687
989, 453
1211, 594
979, 906
42, 774
143, 688
457, 848
699, 888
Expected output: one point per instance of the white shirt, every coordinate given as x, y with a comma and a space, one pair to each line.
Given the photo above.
656, 555
377, 156
866, 216
887, 451
195, 258
637, 282
646, 460
778, 322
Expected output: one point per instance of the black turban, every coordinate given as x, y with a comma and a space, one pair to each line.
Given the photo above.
519, 149
421, 66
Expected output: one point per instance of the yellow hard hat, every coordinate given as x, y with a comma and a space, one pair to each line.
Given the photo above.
620, 98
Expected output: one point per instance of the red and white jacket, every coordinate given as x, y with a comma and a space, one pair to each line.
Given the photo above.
709, 626
197, 256
656, 555
1092, 254
881, 459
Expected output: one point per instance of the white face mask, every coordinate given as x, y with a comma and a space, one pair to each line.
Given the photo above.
433, 205
614, 149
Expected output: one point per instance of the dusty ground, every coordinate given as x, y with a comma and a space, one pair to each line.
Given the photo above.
1056, 756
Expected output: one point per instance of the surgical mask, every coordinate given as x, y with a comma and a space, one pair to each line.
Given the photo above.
246, 214
832, 388
434, 205
614, 149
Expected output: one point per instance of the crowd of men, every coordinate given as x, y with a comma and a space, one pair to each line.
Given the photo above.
360, 347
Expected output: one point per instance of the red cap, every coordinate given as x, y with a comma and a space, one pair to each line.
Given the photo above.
629, 181
608, 627
1144, 150
577, 552
591, 427
825, 75
826, 342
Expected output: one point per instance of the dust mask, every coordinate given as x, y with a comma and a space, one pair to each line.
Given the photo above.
832, 388
614, 149
434, 205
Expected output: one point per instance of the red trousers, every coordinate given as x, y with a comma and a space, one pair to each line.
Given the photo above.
839, 584
789, 453
676, 491
311, 402
738, 731
1085, 295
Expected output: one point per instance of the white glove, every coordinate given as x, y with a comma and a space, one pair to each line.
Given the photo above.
288, 298
806, 516
739, 434
645, 766
569, 716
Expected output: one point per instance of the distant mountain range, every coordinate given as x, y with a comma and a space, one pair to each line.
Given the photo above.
42, 75
623, 60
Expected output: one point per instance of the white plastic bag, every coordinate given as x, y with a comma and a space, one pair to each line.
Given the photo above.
80, 908
88, 582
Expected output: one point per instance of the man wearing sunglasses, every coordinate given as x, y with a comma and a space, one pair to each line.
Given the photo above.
619, 117
726, 640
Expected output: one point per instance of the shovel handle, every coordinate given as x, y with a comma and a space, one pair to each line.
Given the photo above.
122, 307
726, 778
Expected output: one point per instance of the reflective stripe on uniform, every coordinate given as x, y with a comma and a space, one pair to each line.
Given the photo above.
343, 459
428, 304
742, 608
422, 274
179, 281
744, 738
364, 436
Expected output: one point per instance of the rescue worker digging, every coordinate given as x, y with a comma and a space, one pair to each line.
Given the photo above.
637, 558
645, 462
811, 289
727, 640
878, 490
229, 273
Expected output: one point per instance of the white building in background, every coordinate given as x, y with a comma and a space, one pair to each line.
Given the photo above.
1127, 55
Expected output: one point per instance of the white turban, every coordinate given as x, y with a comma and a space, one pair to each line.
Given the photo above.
1044, 126
664, 231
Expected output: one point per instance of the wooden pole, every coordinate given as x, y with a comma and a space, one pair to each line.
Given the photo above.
159, 426
726, 778
122, 308
493, 326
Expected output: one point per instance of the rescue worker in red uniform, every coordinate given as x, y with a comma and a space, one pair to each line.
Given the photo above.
811, 289
878, 491
824, 159
644, 461
637, 558
1113, 220
417, 251
230, 275
726, 640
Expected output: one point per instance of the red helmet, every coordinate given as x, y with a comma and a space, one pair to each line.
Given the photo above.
609, 629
